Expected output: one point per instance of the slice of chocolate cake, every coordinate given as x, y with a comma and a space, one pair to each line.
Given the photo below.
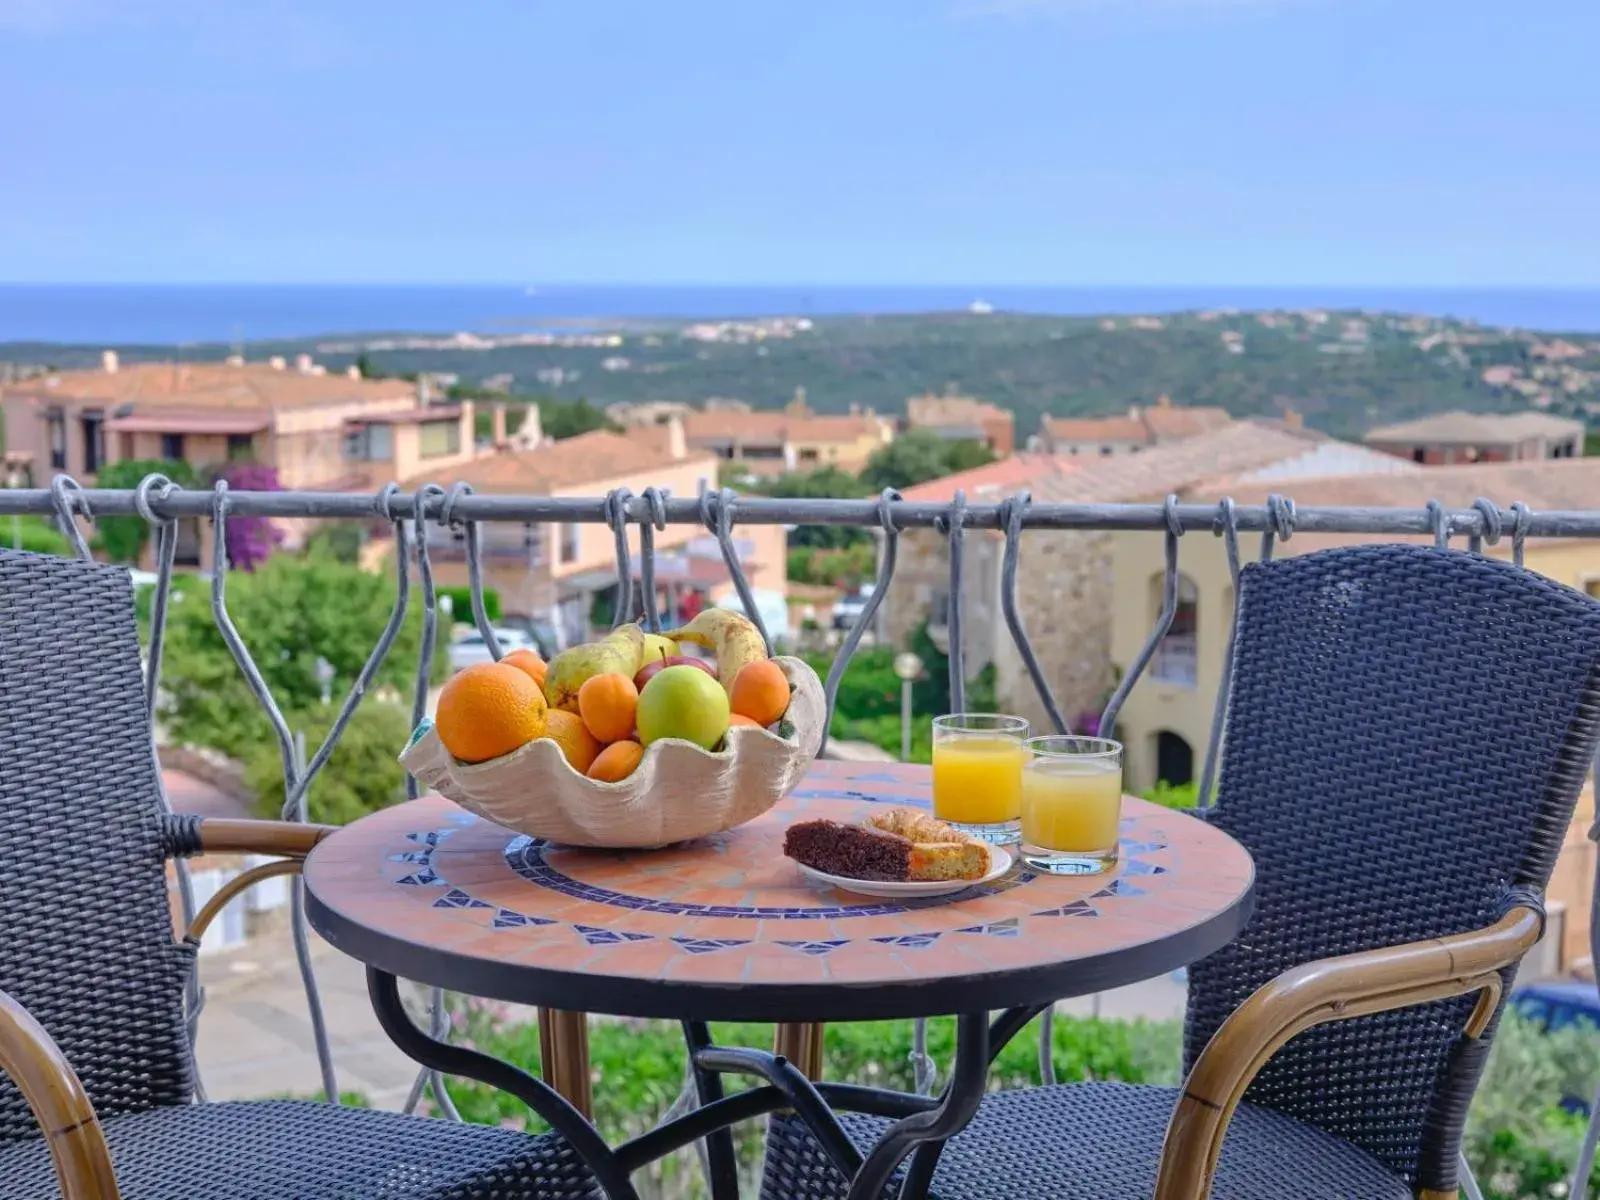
853, 851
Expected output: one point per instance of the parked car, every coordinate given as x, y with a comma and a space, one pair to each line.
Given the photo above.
772, 606
470, 648
849, 607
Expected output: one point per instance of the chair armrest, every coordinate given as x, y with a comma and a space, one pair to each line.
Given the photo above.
231, 835
59, 1104
1333, 989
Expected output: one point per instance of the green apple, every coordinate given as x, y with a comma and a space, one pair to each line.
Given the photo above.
683, 702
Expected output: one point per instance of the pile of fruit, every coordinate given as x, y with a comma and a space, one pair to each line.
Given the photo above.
604, 702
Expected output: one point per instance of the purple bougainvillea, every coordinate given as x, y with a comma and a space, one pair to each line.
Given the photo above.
250, 540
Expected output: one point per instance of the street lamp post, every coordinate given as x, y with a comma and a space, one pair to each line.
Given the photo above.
908, 667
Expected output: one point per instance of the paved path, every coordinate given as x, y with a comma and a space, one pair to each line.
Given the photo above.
255, 1035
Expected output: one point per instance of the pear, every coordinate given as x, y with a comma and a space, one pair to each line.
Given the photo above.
658, 648
732, 635
620, 651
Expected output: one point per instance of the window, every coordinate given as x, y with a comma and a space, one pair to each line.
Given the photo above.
1177, 657
1419, 455
58, 440
438, 438
172, 446
809, 454
568, 548
939, 610
533, 544
1105, 451
240, 447
367, 443
763, 452
94, 441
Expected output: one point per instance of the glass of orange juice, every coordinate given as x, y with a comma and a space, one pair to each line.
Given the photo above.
977, 774
1071, 804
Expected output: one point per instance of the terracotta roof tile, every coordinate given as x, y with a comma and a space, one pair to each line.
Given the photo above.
566, 464
211, 386
994, 481
1481, 428
778, 426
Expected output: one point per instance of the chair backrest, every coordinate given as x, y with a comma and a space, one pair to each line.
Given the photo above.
86, 935
1408, 732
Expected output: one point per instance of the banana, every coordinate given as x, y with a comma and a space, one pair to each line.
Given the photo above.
732, 635
621, 651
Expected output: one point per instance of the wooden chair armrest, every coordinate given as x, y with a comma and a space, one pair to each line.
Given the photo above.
55, 1095
232, 835
1333, 989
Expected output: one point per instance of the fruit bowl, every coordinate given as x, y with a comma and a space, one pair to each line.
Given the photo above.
678, 792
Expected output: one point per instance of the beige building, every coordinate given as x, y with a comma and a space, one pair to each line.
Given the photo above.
1167, 718
963, 418
552, 571
318, 429
796, 439
1138, 430
1065, 592
1459, 437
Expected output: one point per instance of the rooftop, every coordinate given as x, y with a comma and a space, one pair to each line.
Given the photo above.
588, 458
1477, 428
779, 427
951, 409
1157, 423
255, 385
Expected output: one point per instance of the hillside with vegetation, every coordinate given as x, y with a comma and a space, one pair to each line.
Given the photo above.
1344, 371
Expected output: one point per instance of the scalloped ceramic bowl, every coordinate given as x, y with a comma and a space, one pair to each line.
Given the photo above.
677, 792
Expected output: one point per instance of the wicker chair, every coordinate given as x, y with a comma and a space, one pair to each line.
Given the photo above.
1408, 732
92, 1034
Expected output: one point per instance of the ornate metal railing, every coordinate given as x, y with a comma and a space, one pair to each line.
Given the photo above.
162, 505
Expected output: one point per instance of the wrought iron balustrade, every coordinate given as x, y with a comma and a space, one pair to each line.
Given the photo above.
453, 517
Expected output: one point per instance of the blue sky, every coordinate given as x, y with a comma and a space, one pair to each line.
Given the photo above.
838, 141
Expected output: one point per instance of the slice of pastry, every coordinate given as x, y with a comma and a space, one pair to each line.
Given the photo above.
897, 846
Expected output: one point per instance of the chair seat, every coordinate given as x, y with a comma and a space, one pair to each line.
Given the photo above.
1095, 1141
295, 1150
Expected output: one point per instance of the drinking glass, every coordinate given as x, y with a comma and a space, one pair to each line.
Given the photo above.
977, 774
1071, 804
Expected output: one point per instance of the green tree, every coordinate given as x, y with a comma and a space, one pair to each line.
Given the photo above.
825, 483
360, 777
340, 541
568, 418
919, 455
290, 612
123, 538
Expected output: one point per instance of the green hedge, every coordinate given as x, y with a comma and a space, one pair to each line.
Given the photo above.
461, 603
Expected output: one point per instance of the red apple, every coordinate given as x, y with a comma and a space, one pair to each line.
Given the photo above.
648, 671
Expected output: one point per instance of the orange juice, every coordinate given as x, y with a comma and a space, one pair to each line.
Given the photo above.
1072, 806
978, 780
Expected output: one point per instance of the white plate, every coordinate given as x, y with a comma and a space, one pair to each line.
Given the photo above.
999, 864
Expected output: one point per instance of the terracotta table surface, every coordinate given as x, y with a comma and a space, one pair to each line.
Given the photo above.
726, 928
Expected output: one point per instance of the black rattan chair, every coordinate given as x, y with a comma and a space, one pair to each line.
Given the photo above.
92, 1034
1408, 732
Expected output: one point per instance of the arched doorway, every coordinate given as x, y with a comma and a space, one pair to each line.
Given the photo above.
1174, 758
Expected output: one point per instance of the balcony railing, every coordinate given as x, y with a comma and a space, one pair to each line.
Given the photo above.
163, 504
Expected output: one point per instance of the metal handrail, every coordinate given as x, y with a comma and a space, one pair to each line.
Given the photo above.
160, 503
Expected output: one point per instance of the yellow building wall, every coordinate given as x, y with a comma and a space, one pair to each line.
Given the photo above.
1154, 705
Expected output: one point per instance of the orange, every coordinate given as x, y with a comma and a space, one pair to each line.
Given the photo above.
528, 661
577, 743
607, 703
760, 692
489, 710
616, 762
741, 719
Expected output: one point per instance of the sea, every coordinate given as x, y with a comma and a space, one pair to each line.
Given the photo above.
183, 314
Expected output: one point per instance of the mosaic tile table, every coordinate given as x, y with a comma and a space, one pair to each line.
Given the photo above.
727, 929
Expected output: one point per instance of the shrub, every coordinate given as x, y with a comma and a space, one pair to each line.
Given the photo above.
123, 539
36, 535
362, 775
340, 541
1169, 795
461, 602
289, 613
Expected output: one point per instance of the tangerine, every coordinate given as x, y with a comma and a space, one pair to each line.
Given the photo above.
568, 731
529, 662
607, 703
616, 762
488, 710
741, 719
760, 692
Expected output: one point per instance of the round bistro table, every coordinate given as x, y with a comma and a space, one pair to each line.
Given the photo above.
727, 929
